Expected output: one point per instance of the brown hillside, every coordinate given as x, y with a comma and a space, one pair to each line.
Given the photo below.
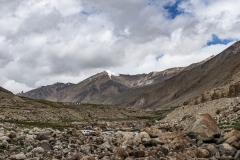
188, 84
5, 93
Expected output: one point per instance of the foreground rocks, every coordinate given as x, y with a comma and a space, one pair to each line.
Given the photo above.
145, 141
202, 127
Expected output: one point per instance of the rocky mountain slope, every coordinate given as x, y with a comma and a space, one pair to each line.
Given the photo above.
5, 93
3, 90
219, 71
99, 86
103, 86
45, 91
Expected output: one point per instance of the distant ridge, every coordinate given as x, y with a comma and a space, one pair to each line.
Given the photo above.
45, 91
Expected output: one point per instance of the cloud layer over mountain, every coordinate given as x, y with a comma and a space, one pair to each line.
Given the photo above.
43, 42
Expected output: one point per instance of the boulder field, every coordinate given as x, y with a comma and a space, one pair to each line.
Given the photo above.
201, 139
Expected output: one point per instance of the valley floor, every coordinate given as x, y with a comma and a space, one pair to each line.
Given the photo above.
142, 140
38, 129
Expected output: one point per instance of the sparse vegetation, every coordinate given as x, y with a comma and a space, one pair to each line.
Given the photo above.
102, 106
235, 125
19, 143
144, 117
163, 113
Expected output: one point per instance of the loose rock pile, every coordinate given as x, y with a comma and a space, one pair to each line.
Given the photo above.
227, 114
201, 139
224, 111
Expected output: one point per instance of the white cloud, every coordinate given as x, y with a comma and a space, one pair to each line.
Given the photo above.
43, 42
16, 87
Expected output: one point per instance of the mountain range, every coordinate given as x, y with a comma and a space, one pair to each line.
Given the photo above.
168, 88
46, 91
104, 84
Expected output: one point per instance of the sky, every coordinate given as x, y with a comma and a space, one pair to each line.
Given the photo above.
43, 42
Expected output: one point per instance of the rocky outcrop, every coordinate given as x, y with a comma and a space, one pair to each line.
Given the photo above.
234, 90
202, 127
228, 91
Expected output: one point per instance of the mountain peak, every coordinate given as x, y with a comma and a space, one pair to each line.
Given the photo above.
110, 73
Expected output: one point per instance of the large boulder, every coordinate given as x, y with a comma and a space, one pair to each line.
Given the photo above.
41, 137
154, 132
202, 127
38, 150
232, 133
212, 148
144, 136
202, 153
45, 145
19, 156
226, 149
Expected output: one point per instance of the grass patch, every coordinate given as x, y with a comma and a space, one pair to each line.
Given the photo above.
122, 119
144, 117
55, 104
49, 103
129, 118
101, 106
164, 112
235, 125
19, 143
66, 121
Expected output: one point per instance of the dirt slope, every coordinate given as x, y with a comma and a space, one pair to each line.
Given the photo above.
5, 93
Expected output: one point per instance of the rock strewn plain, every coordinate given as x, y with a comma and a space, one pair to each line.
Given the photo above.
119, 141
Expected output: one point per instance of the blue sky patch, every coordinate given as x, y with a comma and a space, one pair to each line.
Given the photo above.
216, 40
159, 57
173, 9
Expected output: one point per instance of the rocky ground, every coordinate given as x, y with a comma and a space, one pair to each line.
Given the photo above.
224, 111
201, 139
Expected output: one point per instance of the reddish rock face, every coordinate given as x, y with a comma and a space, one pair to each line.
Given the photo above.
202, 127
